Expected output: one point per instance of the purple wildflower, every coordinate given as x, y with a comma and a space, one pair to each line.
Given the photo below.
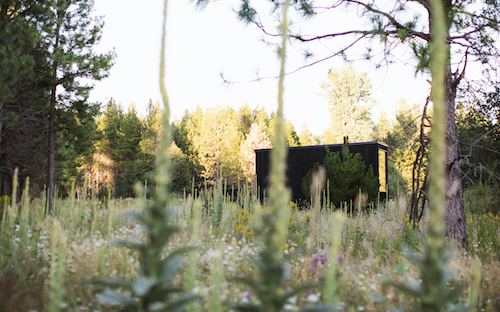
324, 258
314, 264
341, 256
247, 295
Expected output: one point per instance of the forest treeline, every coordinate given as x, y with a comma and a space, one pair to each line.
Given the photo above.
54, 135
118, 148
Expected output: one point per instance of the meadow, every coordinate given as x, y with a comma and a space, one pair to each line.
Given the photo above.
213, 252
52, 263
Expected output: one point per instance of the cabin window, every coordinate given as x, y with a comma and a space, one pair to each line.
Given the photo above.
382, 170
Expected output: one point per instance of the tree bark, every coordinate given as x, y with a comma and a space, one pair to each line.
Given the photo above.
456, 224
52, 153
6, 180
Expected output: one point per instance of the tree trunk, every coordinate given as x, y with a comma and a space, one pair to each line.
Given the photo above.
52, 153
456, 224
6, 180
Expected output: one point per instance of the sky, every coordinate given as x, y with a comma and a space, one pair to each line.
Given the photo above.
202, 44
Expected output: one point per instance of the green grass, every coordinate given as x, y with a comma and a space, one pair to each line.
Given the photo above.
371, 249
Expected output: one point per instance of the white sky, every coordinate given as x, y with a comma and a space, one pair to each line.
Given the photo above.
201, 45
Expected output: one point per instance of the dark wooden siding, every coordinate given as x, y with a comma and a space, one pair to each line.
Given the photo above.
301, 159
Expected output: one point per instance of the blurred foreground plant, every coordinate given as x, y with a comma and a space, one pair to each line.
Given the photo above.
154, 289
269, 285
433, 292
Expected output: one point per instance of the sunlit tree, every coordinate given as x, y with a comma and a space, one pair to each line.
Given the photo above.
217, 141
349, 105
256, 139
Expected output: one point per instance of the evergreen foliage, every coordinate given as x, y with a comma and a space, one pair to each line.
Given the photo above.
349, 104
347, 175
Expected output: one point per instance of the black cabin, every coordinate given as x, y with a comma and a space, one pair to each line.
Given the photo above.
301, 159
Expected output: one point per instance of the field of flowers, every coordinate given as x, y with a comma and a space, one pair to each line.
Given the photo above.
52, 263
216, 253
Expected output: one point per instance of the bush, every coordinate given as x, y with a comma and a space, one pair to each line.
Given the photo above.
347, 177
397, 185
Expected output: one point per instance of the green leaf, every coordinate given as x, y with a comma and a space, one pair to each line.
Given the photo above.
127, 243
178, 302
246, 307
170, 267
115, 283
376, 297
315, 308
134, 216
142, 285
111, 297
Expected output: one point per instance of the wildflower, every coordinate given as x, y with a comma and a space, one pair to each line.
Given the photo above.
338, 217
324, 258
247, 296
314, 264
312, 298
240, 228
341, 256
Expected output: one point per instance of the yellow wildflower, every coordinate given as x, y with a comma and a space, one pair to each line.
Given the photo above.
240, 228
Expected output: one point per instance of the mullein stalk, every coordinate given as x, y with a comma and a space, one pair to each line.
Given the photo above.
82, 207
217, 274
432, 291
192, 256
279, 195
434, 258
10, 249
57, 268
71, 220
330, 289
24, 219
474, 288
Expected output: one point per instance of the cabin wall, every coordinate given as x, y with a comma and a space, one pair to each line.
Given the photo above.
301, 159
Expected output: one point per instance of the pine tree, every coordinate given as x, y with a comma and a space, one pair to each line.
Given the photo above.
218, 143
69, 34
402, 139
22, 92
347, 175
382, 128
349, 103
307, 138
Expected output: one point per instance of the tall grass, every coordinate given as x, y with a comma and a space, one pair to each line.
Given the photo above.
209, 253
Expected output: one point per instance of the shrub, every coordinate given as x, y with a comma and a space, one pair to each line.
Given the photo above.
347, 175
